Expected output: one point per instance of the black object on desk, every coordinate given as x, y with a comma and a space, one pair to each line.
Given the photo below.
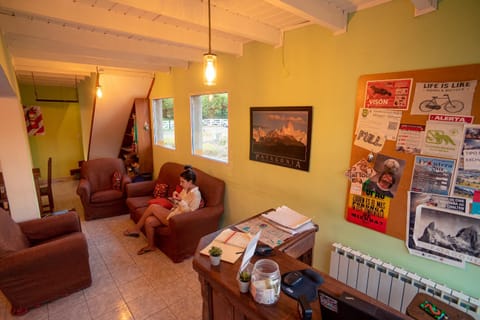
263, 250
301, 282
348, 306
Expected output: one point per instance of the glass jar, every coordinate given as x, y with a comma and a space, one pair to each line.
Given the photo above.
265, 282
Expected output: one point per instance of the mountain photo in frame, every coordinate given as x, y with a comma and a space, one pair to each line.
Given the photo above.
281, 136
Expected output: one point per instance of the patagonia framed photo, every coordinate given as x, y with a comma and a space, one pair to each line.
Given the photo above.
281, 136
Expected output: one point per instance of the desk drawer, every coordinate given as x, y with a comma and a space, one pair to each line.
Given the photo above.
301, 246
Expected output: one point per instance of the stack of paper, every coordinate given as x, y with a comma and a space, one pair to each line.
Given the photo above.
232, 243
289, 220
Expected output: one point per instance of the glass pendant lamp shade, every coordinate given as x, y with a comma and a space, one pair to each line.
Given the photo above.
98, 87
99, 91
209, 69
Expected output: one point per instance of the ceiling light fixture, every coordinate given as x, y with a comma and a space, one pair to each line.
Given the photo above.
98, 87
209, 59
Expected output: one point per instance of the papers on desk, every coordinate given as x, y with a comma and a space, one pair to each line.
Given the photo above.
232, 243
273, 233
289, 220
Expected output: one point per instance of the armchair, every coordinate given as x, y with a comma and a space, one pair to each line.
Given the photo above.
100, 198
179, 239
42, 260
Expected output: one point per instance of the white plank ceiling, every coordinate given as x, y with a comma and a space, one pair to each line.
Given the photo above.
59, 42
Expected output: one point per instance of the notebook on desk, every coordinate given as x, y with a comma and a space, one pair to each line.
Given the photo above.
232, 243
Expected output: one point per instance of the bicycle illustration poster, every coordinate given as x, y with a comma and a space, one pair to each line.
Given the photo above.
451, 98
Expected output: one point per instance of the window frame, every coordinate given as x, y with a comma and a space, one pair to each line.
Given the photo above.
196, 127
158, 120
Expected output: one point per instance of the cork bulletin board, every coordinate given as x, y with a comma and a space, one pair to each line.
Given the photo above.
411, 111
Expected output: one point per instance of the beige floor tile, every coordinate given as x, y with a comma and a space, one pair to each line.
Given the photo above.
120, 313
66, 303
164, 314
77, 311
101, 304
145, 305
133, 289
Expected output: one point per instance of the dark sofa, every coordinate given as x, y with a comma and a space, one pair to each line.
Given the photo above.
42, 259
179, 239
100, 199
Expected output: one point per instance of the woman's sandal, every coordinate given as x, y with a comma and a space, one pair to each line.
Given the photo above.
145, 250
127, 233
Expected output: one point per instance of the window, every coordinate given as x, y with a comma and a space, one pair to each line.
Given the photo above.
163, 123
210, 126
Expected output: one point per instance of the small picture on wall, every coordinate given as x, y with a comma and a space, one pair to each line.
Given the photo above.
281, 136
34, 120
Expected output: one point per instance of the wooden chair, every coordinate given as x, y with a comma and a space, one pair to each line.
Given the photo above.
46, 190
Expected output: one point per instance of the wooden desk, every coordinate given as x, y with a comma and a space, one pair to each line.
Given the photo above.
299, 246
414, 310
222, 298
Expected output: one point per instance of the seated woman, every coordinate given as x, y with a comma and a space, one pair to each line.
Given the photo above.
155, 215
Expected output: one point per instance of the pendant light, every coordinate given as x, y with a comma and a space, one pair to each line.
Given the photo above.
98, 87
209, 59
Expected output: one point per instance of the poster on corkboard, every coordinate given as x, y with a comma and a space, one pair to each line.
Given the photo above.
401, 117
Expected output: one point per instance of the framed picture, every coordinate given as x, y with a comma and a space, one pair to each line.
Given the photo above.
281, 136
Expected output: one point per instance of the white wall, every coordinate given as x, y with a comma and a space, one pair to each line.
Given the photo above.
15, 157
112, 112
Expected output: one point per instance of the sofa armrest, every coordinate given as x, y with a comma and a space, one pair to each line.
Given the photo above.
38, 260
39, 230
125, 181
84, 190
196, 224
140, 189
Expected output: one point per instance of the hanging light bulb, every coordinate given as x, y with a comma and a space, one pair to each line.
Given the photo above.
210, 69
209, 59
98, 87
99, 91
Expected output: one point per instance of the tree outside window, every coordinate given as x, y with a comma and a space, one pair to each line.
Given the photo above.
210, 126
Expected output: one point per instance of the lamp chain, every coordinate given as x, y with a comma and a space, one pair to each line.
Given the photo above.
209, 30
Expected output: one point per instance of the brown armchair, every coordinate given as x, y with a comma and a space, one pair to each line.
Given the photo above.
179, 239
96, 188
42, 260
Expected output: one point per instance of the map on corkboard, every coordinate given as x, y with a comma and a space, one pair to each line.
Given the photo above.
401, 117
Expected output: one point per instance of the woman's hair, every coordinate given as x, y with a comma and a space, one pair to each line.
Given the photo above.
188, 174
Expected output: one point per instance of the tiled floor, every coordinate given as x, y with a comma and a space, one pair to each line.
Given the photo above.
125, 286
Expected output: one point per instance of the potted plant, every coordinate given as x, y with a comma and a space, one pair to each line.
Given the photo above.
215, 254
244, 281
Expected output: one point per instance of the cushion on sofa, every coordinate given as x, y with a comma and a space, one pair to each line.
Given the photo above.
11, 236
116, 180
160, 190
164, 202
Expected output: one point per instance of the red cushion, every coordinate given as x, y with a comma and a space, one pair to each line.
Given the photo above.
116, 180
161, 190
164, 202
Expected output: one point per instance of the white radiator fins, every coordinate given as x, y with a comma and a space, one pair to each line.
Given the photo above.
389, 284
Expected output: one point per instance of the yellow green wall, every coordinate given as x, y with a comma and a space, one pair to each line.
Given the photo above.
316, 68
63, 138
